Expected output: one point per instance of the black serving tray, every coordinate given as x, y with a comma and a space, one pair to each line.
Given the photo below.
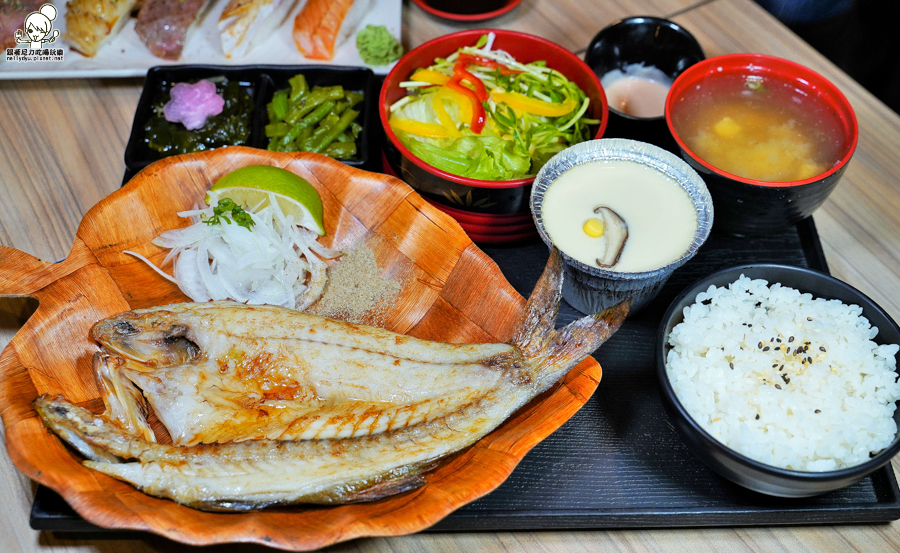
618, 463
261, 82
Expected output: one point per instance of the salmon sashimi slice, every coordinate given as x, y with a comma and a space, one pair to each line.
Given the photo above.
322, 25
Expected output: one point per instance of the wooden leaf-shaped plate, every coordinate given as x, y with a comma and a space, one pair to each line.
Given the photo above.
451, 292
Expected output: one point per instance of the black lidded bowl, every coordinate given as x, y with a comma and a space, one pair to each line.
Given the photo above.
734, 466
260, 82
653, 41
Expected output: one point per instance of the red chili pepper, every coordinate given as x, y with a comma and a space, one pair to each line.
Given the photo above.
485, 62
478, 115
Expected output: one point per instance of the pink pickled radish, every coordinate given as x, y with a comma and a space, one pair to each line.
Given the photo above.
192, 104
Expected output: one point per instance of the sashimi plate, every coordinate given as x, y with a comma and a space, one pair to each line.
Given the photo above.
127, 56
450, 291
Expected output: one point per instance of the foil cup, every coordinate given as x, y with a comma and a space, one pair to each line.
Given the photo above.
593, 289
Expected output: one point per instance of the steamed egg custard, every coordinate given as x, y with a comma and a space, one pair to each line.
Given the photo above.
589, 208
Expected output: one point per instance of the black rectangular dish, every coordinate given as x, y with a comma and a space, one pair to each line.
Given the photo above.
618, 463
260, 82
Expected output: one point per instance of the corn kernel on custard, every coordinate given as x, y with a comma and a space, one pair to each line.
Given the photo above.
759, 128
582, 207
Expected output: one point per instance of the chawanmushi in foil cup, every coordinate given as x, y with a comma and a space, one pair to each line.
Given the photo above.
625, 214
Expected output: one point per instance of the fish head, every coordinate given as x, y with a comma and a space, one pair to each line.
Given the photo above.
155, 339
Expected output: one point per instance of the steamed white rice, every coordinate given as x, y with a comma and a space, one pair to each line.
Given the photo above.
783, 378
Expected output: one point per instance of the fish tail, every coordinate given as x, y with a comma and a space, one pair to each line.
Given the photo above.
555, 352
537, 324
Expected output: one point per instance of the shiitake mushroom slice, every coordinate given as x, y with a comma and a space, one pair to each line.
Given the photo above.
615, 234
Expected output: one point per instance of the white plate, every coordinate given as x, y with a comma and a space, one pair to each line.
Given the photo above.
127, 56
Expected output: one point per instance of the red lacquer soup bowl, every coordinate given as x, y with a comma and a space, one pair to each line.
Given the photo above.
810, 136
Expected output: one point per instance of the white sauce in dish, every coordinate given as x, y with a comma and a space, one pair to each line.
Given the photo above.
661, 217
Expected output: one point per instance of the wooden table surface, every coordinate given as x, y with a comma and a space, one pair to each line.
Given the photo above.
61, 151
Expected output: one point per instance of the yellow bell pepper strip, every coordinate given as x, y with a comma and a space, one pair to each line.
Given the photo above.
430, 76
521, 102
411, 126
446, 121
462, 101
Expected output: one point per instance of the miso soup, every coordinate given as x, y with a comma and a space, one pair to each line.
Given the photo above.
759, 128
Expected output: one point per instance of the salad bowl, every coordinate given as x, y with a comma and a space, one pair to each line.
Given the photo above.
496, 201
451, 291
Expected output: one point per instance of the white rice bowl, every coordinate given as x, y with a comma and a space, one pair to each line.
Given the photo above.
785, 379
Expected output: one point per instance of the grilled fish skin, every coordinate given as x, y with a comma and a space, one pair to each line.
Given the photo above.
362, 414
243, 23
91, 24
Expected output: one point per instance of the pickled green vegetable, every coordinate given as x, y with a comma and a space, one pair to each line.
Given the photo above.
231, 127
320, 119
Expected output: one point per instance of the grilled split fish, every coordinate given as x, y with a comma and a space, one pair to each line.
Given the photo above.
268, 406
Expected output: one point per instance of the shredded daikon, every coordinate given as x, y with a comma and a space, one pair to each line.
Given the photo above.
277, 263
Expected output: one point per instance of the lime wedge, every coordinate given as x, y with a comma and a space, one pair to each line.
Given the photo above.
250, 187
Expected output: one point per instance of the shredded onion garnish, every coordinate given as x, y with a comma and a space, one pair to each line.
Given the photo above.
277, 263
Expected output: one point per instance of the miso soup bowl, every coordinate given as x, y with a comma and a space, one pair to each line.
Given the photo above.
591, 289
748, 206
729, 463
